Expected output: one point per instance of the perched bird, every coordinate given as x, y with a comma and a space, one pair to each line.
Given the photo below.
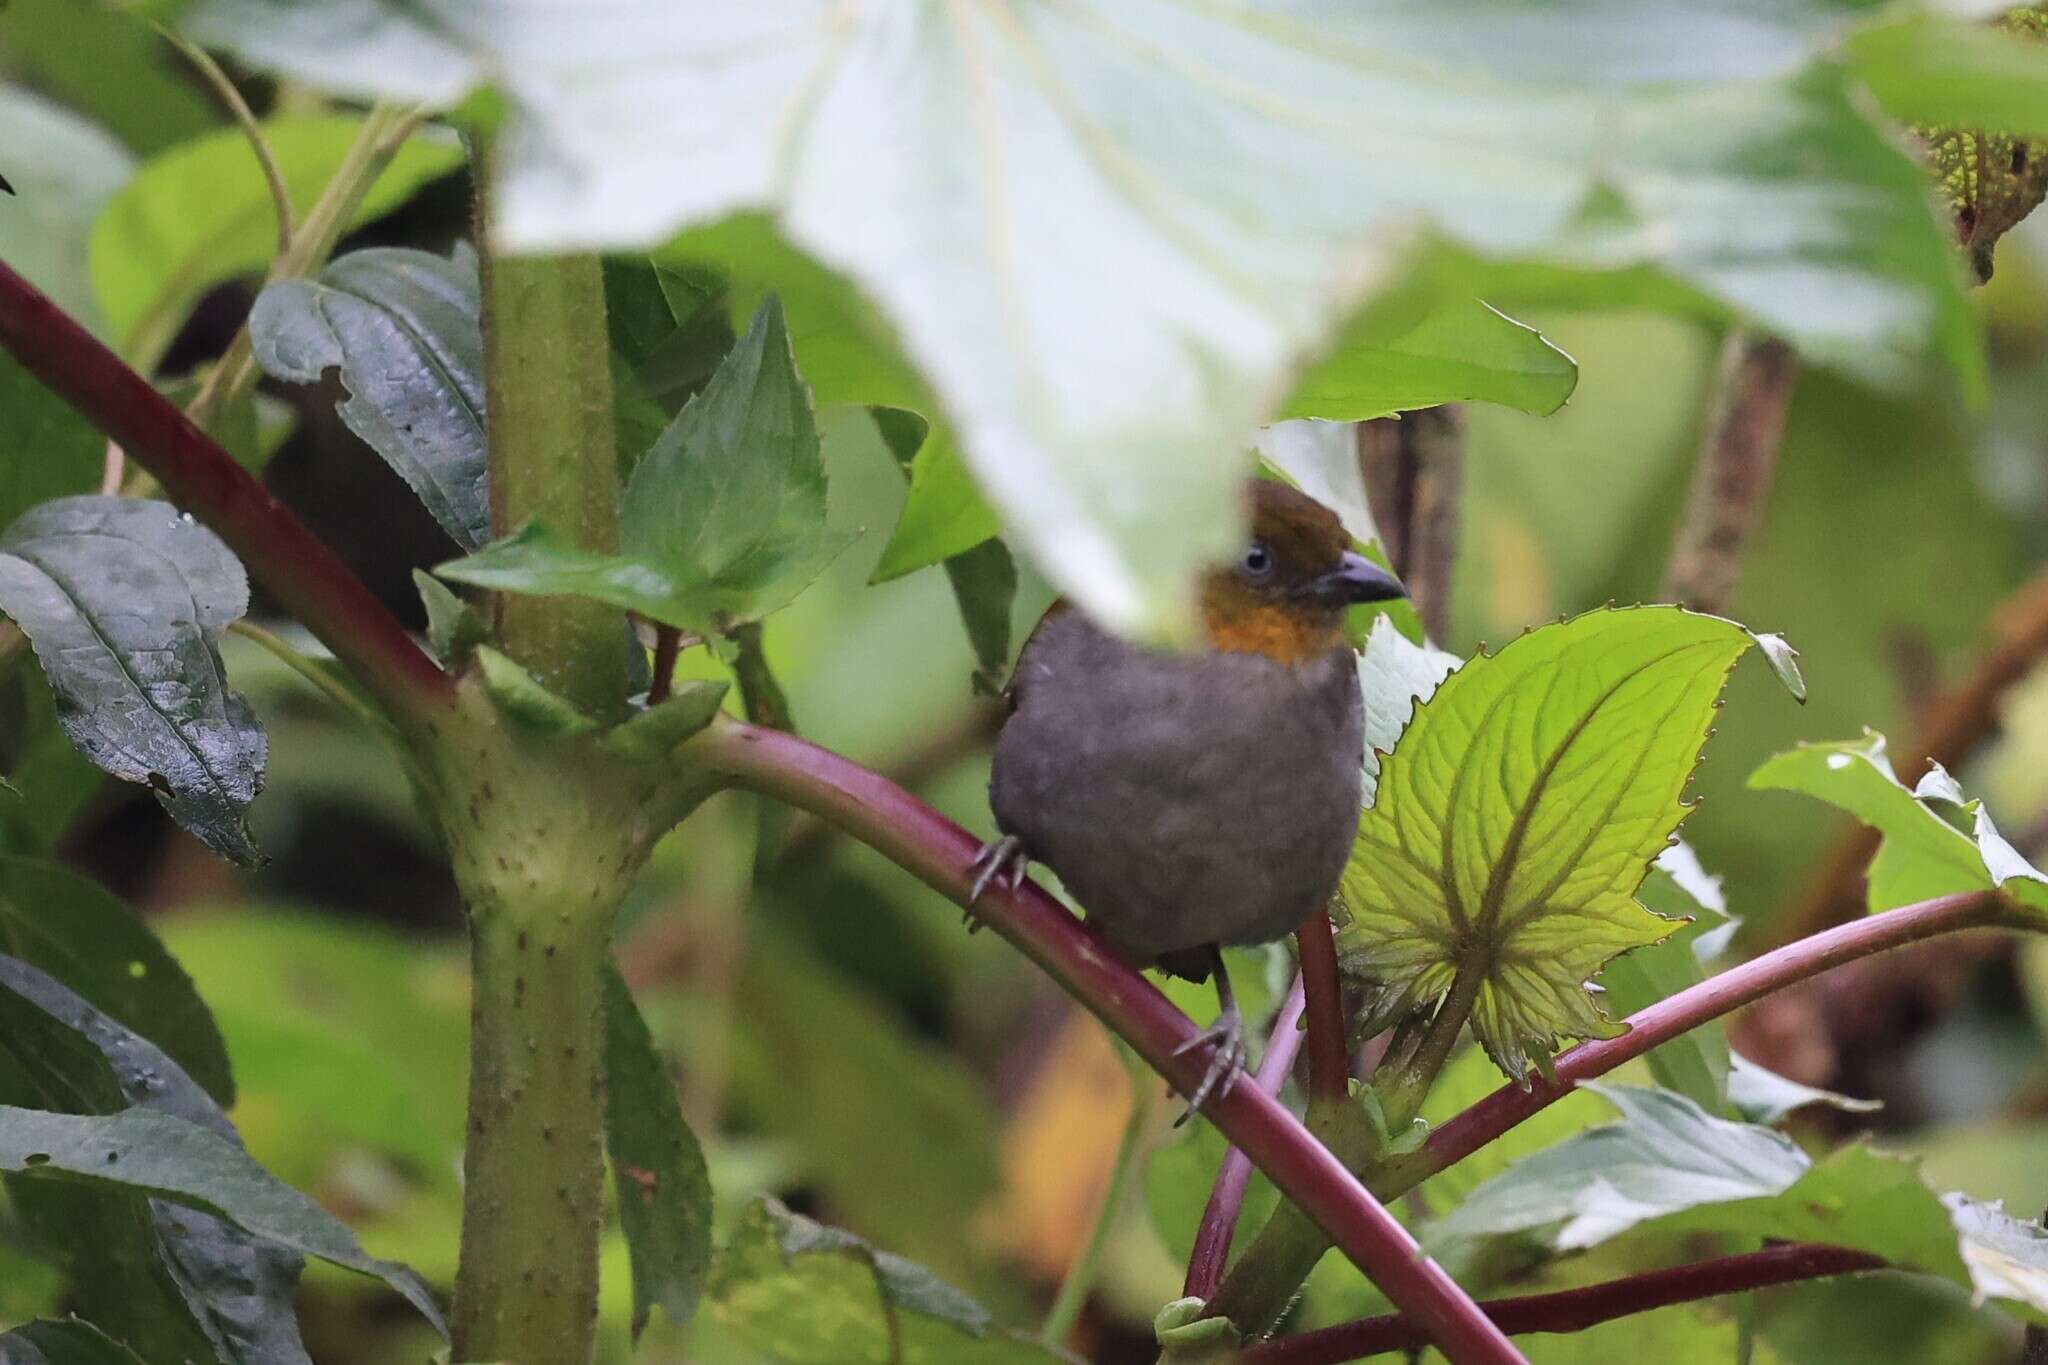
1191, 801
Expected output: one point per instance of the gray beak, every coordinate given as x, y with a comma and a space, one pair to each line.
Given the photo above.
1355, 579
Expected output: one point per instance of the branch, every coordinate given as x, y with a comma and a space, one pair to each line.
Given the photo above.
941, 854
1413, 468
1945, 731
299, 570
1738, 457
1687, 1010
1329, 1061
1574, 1310
1234, 1175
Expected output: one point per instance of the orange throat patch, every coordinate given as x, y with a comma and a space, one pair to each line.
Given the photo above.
1240, 622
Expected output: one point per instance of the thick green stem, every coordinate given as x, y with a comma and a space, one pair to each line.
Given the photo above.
533, 1198
553, 459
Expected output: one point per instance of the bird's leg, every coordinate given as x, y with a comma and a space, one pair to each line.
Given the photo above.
999, 861
1227, 1033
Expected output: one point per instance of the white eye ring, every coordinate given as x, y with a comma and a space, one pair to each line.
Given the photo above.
1257, 561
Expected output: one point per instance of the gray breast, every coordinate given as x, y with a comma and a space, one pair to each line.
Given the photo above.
1184, 800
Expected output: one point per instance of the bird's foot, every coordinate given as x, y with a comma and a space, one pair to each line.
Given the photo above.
1000, 862
1227, 1033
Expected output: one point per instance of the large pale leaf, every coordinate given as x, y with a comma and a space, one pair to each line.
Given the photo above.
1922, 855
664, 1188
1761, 1095
1459, 352
1936, 70
1519, 813
87, 938
1107, 234
405, 330
124, 600
723, 521
201, 213
1394, 674
808, 1294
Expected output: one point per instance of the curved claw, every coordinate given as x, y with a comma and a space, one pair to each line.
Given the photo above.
1000, 861
1227, 1033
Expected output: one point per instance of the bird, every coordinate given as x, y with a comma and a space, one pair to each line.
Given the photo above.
1196, 800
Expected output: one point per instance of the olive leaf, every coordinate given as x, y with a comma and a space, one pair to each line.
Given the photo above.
124, 601
405, 330
1519, 813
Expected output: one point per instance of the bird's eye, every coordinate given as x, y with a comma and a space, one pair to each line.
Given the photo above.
1257, 561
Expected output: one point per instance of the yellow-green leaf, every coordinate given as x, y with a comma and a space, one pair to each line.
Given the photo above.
1519, 813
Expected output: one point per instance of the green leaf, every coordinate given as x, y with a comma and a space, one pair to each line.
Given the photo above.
1922, 855
808, 1294
70, 1342
1519, 813
1394, 673
723, 522
524, 698
984, 577
1457, 353
1696, 1063
1470, 1078
405, 330
664, 1187
1929, 69
454, 627
1761, 1095
657, 730
171, 1158
124, 601
669, 329
1666, 1155
201, 213
54, 778
87, 938
1108, 236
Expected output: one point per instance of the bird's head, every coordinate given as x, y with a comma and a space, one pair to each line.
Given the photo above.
1284, 595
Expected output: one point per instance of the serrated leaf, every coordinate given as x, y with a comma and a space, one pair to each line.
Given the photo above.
70, 1342
201, 212
723, 521
1519, 813
1108, 233
1696, 1063
808, 1294
1456, 353
405, 330
123, 600
1761, 1095
660, 728
1922, 855
88, 938
664, 1187
669, 329
2006, 1258
1394, 673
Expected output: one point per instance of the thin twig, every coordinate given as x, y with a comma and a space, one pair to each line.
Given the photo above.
668, 642
324, 683
245, 118
112, 468
1947, 729
941, 854
1329, 1061
1234, 1174
1574, 1310
299, 569
1738, 458
1079, 1281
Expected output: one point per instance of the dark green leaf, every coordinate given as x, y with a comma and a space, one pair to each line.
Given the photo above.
669, 329
54, 778
808, 1294
404, 328
1459, 352
201, 213
123, 600
723, 522
984, 577
63, 1343
944, 514
664, 1187
91, 941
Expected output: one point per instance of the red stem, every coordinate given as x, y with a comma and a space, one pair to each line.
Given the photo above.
1574, 1310
307, 577
1234, 1175
940, 853
667, 644
1329, 1061
1668, 1018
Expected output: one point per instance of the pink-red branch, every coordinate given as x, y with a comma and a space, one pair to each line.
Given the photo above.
1234, 1175
1574, 1310
1329, 1060
298, 569
1687, 1010
940, 853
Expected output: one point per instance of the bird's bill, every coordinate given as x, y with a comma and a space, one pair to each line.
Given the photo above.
1355, 579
